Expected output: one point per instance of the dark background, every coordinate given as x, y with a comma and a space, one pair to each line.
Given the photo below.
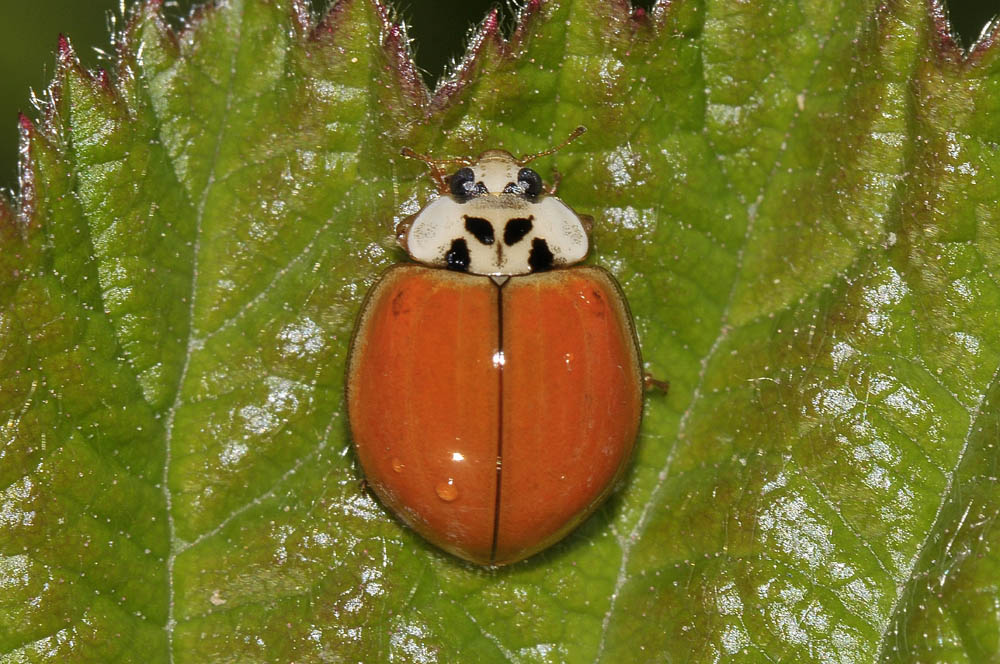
29, 29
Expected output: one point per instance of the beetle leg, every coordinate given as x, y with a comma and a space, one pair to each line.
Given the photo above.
650, 383
556, 179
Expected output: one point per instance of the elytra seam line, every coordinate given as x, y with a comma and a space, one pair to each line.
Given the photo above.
496, 504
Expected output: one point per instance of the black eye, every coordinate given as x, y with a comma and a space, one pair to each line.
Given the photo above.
530, 182
462, 182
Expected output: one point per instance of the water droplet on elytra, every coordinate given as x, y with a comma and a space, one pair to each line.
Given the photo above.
397, 465
447, 491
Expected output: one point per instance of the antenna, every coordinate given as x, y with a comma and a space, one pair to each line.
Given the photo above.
575, 134
439, 176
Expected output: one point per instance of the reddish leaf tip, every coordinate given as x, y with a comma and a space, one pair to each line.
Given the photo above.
24, 122
944, 39
302, 15
383, 11
527, 12
491, 22
397, 45
990, 36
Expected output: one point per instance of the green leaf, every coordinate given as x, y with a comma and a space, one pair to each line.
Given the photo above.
799, 199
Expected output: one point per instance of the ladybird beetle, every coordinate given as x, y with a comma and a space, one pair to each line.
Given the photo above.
493, 391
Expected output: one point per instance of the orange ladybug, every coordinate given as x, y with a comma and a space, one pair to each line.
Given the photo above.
494, 389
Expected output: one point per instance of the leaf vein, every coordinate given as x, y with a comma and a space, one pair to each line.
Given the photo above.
191, 346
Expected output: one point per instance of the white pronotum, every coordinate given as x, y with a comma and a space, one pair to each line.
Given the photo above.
496, 221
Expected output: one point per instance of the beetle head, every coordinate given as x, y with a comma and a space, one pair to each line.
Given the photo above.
495, 218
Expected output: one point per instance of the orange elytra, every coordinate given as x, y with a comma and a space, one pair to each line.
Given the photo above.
494, 392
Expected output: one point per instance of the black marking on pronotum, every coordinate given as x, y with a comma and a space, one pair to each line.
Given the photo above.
516, 229
540, 258
480, 228
457, 257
